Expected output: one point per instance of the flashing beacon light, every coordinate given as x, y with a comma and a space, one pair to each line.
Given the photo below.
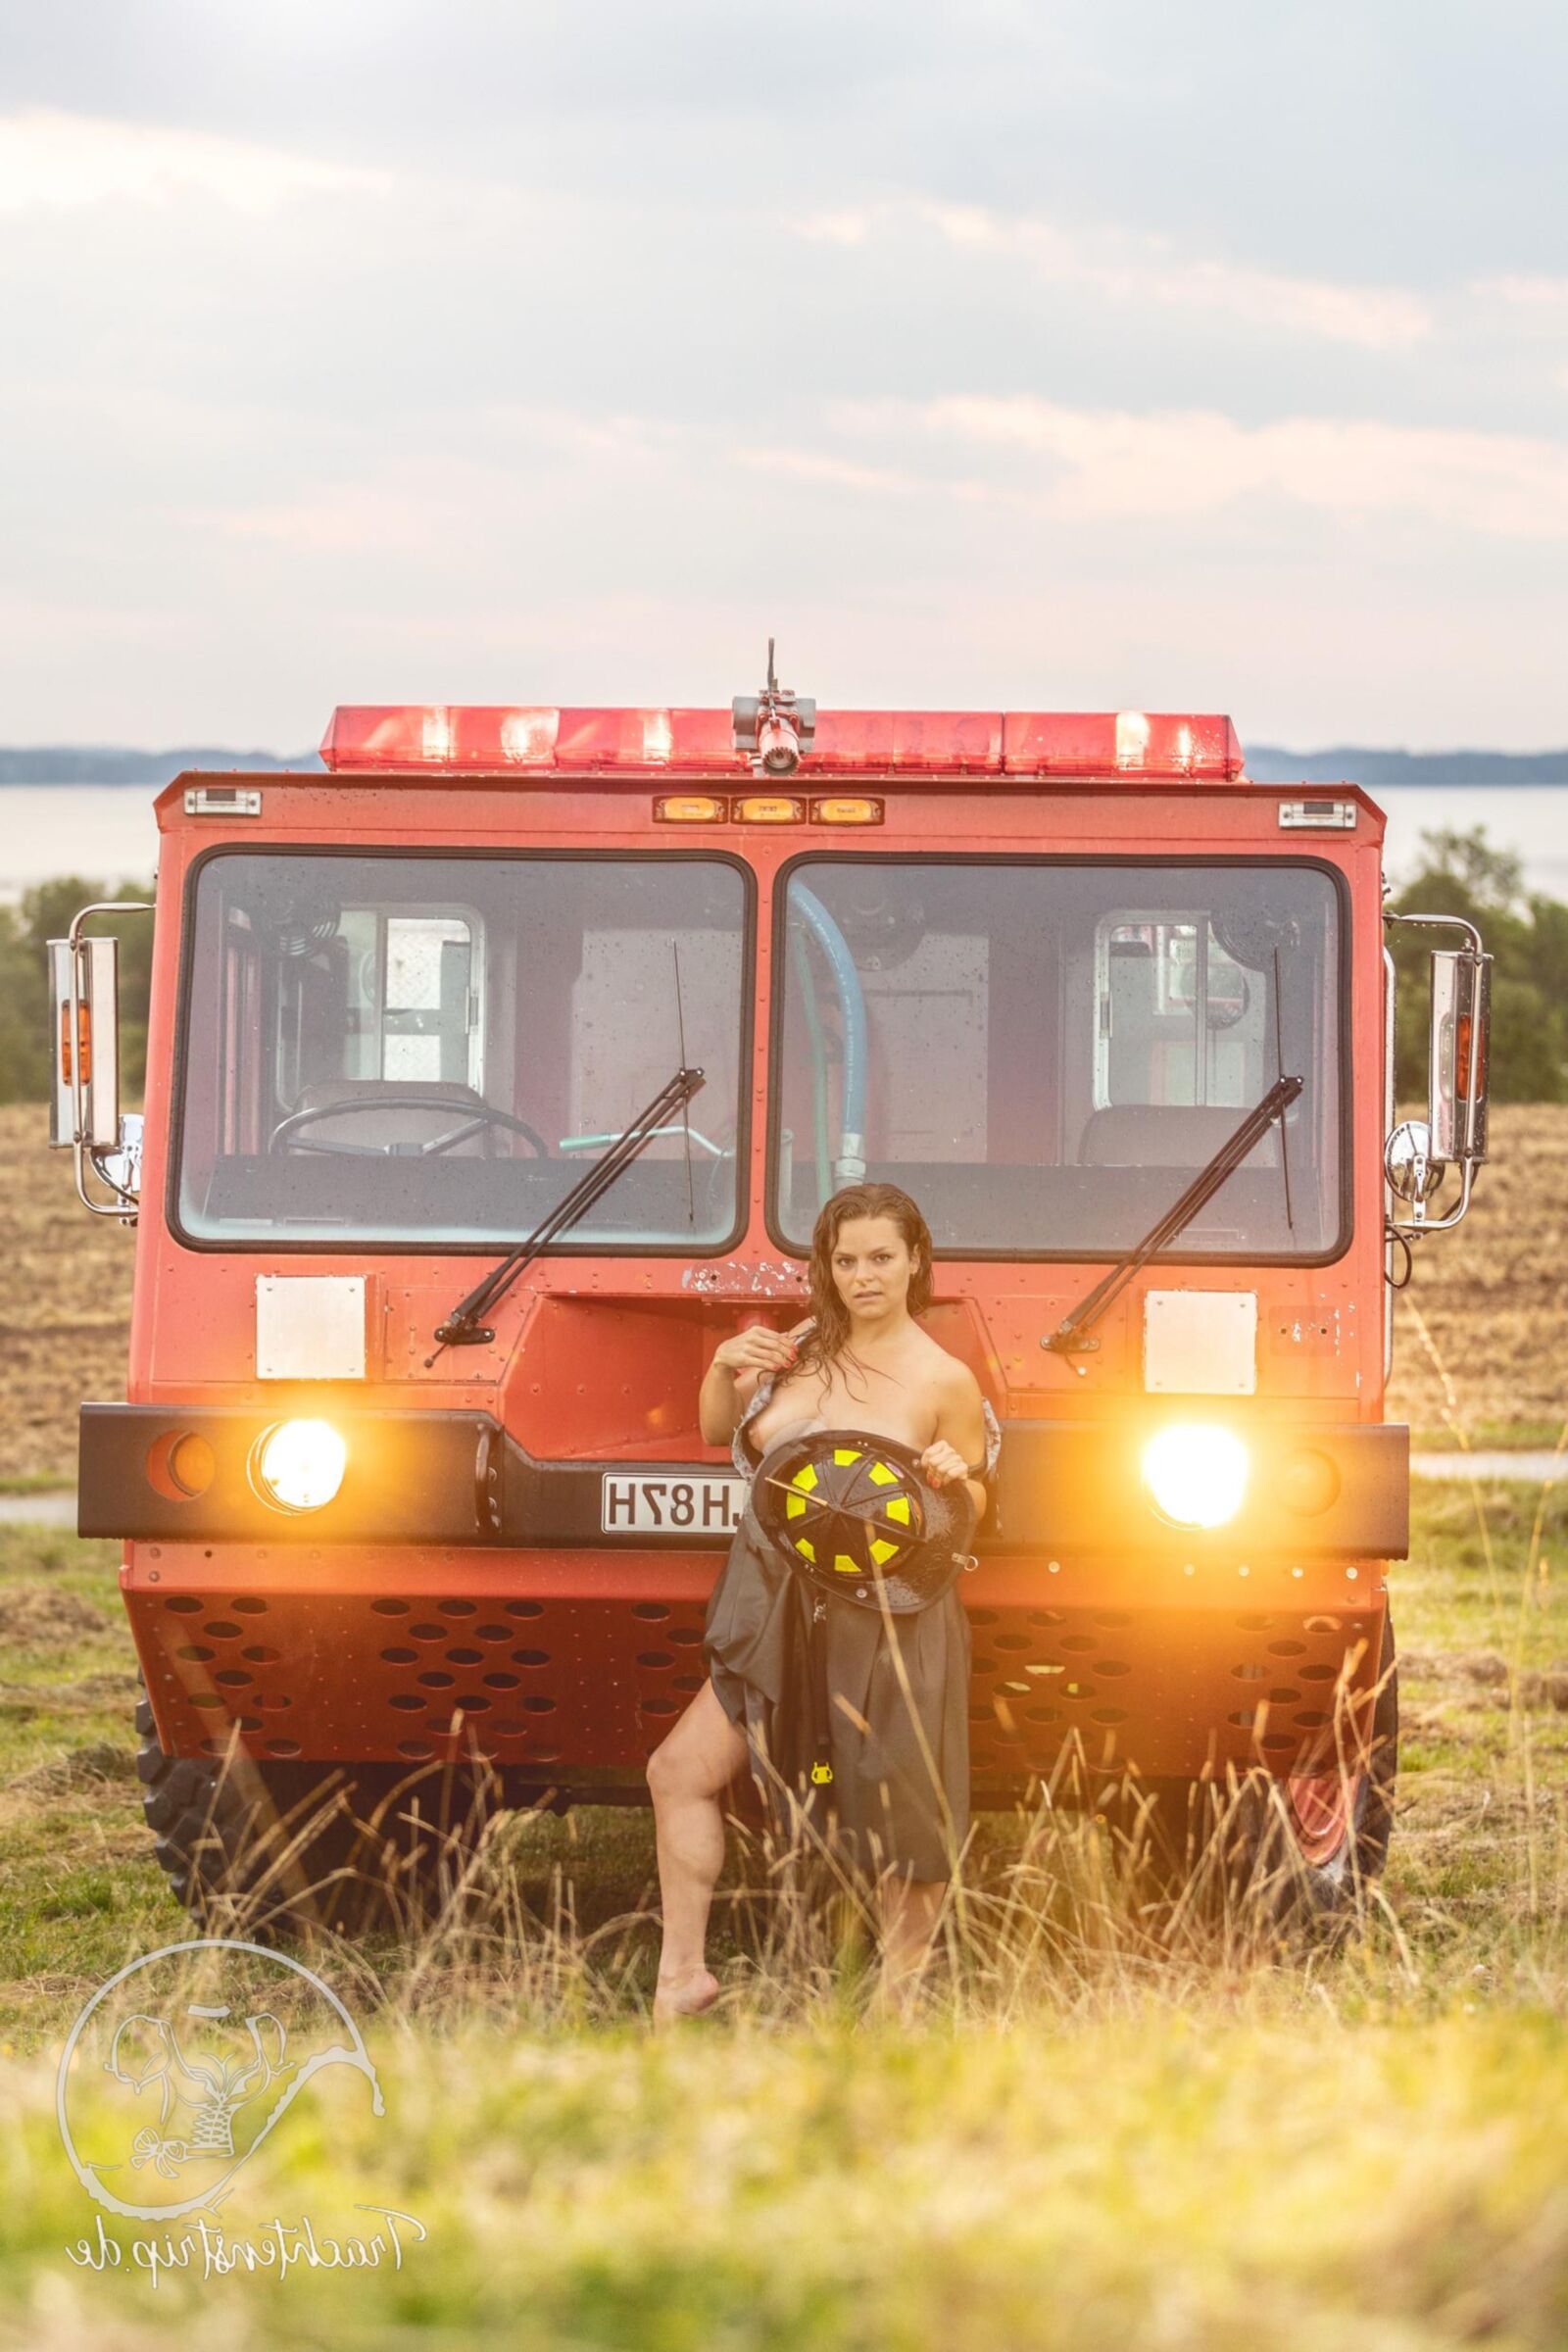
1133, 732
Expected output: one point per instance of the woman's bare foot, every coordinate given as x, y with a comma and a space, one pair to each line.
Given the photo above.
903, 1992
685, 1995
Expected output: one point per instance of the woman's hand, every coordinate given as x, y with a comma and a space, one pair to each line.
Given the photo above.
757, 1350
941, 1463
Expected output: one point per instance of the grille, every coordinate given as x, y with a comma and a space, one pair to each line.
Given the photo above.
598, 1683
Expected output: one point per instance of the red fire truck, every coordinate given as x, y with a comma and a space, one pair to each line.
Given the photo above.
498, 1070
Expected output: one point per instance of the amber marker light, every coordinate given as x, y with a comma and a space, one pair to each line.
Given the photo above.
1196, 1474
298, 1465
180, 1465
690, 808
846, 812
767, 809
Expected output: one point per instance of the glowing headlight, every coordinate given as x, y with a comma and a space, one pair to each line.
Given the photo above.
299, 1465
1196, 1474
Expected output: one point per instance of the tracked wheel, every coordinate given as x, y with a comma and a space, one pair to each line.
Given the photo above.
271, 1849
1296, 1853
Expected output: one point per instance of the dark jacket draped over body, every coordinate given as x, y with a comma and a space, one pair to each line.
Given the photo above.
899, 1702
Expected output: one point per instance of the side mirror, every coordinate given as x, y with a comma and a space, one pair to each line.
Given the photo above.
1417, 1155
1413, 1172
84, 986
122, 1167
1461, 1022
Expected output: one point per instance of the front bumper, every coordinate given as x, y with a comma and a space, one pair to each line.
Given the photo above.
446, 1478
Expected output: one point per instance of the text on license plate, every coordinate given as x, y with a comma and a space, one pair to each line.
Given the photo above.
636, 1506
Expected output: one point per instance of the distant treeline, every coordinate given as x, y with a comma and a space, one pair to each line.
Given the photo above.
76, 764
1461, 873
1266, 763
1352, 763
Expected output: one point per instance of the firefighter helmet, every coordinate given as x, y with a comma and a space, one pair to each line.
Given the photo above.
851, 1512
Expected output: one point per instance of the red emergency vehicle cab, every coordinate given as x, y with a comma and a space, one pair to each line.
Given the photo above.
1036, 969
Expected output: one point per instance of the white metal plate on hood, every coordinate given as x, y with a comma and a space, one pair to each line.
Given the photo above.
309, 1326
1200, 1343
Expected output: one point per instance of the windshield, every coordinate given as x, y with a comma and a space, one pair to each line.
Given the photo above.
433, 1050
1044, 1053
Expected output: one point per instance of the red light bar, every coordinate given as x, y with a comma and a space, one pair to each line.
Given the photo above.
489, 739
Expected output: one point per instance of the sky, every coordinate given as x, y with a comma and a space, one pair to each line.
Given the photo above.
1098, 355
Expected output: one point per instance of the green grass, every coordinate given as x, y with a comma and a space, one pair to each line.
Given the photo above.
1089, 2140
1488, 1437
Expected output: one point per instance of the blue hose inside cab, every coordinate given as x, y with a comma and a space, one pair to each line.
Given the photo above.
850, 1165
800, 958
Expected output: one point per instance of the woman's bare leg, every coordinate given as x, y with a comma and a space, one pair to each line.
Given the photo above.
687, 1774
910, 1908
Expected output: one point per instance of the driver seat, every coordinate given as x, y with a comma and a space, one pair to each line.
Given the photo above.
390, 1124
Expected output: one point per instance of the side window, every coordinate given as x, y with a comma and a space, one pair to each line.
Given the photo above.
1178, 1022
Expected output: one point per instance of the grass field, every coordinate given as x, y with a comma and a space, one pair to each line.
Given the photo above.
1111, 2127
1489, 1298
1099, 2136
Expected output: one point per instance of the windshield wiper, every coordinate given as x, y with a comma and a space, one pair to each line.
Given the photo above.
464, 1328
1070, 1335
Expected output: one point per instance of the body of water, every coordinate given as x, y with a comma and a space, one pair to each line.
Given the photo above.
107, 830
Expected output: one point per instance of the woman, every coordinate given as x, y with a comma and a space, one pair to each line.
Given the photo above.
860, 1362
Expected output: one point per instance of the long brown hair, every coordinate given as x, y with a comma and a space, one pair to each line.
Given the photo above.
828, 1336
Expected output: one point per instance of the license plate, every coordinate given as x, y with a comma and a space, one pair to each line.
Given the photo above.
633, 1505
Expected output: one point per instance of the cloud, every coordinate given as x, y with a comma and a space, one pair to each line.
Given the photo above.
1523, 292
50, 160
1143, 270
334, 519
811, 466
1176, 463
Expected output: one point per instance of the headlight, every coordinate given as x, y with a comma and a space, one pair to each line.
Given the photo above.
298, 1465
1196, 1474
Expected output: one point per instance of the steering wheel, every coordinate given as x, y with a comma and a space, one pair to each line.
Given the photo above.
288, 1129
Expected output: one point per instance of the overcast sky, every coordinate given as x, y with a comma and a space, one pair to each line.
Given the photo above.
1098, 355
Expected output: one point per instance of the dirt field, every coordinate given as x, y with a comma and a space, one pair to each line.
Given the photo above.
1493, 1297
64, 1314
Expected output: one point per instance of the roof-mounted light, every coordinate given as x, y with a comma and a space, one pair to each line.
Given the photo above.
1130, 748
768, 808
691, 808
843, 811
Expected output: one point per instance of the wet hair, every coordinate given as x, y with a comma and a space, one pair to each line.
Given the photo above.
828, 1338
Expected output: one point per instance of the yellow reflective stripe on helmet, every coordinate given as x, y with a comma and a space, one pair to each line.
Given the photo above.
899, 1509
845, 1454
881, 1476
